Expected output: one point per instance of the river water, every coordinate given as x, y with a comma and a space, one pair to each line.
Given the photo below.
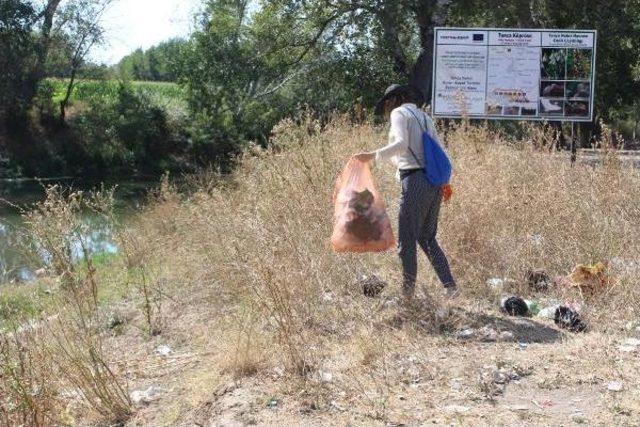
15, 195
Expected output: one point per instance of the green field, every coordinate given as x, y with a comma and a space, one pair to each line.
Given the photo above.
170, 96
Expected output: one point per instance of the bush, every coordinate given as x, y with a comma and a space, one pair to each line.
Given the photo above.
128, 133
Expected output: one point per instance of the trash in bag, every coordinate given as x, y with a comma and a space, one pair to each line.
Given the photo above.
569, 319
361, 221
515, 306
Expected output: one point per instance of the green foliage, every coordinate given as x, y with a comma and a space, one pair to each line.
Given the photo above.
159, 63
17, 20
124, 129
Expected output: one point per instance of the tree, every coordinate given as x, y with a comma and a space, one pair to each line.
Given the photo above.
17, 20
82, 31
158, 63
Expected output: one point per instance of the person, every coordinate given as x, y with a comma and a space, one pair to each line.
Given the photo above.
420, 201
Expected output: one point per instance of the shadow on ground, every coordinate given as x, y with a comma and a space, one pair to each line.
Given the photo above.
431, 318
523, 328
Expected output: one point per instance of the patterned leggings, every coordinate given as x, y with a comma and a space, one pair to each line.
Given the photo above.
418, 223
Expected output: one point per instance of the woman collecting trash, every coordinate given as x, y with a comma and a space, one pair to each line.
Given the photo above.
420, 201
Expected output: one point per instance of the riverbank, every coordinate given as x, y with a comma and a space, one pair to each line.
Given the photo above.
231, 308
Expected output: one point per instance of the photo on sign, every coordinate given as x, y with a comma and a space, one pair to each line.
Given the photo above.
551, 107
576, 109
578, 64
578, 90
552, 89
510, 111
493, 109
554, 64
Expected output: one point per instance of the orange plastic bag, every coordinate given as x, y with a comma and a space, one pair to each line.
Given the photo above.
361, 221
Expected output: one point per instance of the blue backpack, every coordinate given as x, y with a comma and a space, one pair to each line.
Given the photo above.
437, 166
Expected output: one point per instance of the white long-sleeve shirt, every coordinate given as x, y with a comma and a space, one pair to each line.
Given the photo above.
406, 132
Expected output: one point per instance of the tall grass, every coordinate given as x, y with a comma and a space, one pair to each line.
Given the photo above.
253, 249
64, 351
260, 237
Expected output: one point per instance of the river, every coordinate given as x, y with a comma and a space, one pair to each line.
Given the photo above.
15, 195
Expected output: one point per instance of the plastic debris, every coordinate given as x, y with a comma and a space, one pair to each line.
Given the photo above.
630, 345
534, 307
548, 312
145, 397
569, 319
590, 279
615, 386
633, 325
506, 336
496, 283
163, 350
632, 341
371, 286
515, 306
538, 279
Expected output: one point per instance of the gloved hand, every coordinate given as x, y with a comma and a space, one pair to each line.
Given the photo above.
446, 191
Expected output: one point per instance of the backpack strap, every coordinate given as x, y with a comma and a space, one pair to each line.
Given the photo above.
423, 131
426, 127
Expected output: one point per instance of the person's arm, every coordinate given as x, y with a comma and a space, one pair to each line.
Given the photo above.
398, 138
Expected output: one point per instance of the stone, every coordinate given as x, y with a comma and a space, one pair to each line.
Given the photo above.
145, 397
506, 336
465, 334
488, 334
457, 409
325, 376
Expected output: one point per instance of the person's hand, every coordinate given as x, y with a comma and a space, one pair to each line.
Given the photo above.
365, 157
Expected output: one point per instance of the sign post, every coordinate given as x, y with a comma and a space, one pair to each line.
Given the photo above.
514, 74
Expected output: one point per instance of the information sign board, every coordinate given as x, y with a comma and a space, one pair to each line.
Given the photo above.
514, 74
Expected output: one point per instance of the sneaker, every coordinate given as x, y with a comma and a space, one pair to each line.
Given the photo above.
451, 292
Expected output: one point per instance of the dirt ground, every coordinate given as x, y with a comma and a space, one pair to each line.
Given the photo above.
395, 371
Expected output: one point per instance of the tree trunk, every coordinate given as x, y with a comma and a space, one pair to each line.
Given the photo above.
388, 22
429, 14
42, 49
65, 101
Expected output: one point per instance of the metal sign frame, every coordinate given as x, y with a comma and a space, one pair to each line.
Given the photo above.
538, 117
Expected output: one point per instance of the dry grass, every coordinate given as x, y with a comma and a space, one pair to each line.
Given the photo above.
252, 293
258, 243
53, 362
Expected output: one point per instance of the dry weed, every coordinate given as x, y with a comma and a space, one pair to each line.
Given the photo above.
259, 237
